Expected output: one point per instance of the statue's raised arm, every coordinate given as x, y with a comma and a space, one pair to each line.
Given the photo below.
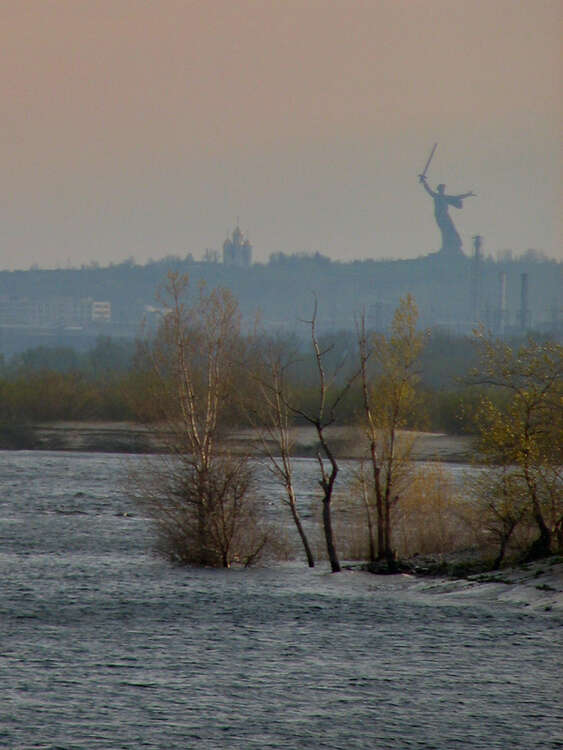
424, 183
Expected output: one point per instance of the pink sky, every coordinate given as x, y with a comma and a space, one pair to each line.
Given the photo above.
144, 128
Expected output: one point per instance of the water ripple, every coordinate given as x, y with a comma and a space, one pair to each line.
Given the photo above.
105, 647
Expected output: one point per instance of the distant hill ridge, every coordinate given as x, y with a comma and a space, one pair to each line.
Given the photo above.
452, 293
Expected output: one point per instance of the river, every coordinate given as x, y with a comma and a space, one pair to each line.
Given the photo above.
105, 646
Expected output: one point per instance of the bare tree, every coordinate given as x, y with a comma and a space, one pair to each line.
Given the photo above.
324, 415
202, 507
274, 422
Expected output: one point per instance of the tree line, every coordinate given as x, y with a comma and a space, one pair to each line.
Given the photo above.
112, 382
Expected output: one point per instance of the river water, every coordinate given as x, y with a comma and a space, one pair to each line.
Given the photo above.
104, 646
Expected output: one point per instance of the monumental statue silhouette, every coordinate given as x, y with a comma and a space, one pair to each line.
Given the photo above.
451, 241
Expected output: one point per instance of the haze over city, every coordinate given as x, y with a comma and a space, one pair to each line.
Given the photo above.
137, 128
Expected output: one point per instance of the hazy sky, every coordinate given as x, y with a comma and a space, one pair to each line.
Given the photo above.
142, 128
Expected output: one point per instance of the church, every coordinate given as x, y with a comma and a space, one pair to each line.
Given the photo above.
237, 250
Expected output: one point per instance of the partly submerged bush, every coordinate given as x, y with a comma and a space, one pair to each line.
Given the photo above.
210, 518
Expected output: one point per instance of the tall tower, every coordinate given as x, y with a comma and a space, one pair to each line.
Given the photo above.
502, 311
524, 310
476, 279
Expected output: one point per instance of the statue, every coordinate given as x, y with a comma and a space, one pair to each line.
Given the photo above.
451, 241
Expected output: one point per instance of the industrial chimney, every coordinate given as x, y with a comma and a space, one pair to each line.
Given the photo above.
502, 311
524, 311
476, 279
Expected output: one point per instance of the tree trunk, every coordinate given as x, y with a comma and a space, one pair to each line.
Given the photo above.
502, 549
540, 547
369, 519
378, 502
387, 551
387, 531
330, 548
301, 530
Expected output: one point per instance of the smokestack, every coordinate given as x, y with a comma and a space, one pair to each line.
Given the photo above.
524, 312
502, 312
476, 279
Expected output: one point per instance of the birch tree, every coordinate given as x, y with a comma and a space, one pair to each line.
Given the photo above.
201, 500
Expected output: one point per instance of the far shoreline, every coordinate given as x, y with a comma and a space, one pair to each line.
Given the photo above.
130, 437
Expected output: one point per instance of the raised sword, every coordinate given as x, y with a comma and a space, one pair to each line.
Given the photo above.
422, 175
